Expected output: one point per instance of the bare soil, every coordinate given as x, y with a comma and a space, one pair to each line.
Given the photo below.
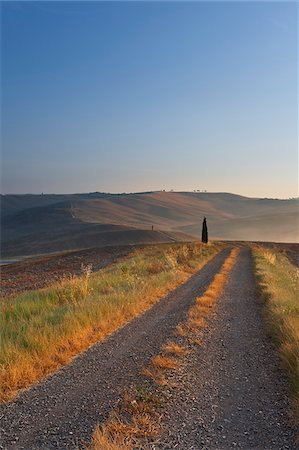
39, 272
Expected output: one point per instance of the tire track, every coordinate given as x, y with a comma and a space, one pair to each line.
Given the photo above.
231, 391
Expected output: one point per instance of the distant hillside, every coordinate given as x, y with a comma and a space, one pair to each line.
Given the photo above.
11, 204
43, 223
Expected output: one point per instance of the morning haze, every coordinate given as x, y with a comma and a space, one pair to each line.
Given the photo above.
133, 96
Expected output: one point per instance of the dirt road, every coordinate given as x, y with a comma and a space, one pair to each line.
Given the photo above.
231, 392
63, 410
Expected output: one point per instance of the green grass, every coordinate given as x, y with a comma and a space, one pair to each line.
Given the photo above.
42, 330
278, 282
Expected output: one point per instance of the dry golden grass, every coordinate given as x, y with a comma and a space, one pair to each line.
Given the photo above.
278, 283
133, 422
197, 324
165, 362
123, 435
195, 313
181, 330
269, 256
194, 324
103, 440
205, 303
42, 330
175, 349
158, 367
194, 340
155, 374
203, 310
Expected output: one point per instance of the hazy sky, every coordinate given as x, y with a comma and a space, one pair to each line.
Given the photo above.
132, 96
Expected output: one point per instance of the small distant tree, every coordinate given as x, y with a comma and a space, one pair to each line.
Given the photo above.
204, 233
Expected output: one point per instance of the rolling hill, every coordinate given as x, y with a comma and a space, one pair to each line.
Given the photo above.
33, 224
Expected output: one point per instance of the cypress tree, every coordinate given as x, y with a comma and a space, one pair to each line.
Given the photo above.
204, 233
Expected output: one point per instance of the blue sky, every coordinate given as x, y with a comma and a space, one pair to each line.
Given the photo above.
133, 96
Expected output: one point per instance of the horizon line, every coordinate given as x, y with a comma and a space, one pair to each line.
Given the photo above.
168, 191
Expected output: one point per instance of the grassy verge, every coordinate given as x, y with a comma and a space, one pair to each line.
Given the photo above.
42, 330
136, 424
278, 282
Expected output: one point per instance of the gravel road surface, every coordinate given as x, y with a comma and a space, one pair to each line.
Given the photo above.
62, 411
231, 392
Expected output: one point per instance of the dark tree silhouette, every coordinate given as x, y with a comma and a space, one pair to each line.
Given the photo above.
204, 233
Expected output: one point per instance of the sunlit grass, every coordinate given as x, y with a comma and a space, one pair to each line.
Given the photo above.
190, 328
42, 330
174, 349
165, 362
205, 303
278, 282
135, 420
